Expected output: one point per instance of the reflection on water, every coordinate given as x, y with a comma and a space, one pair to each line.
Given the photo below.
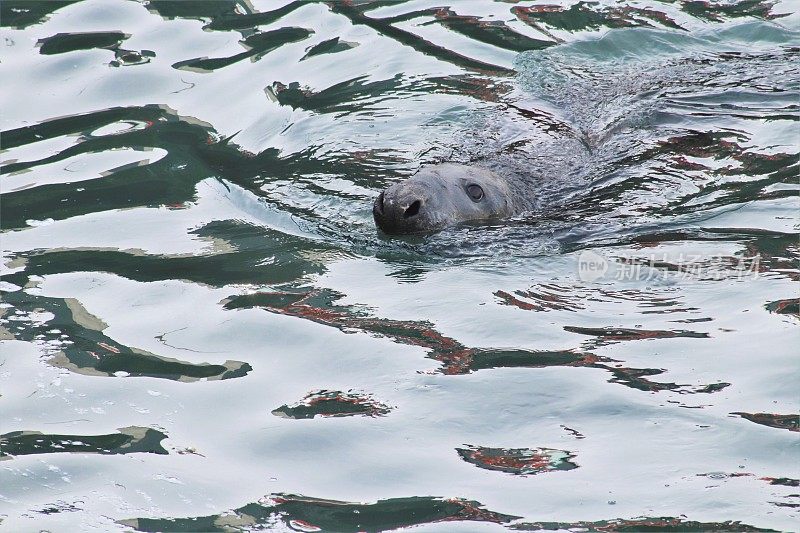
257, 44
73, 339
456, 358
644, 524
204, 214
789, 422
333, 403
312, 514
128, 440
522, 461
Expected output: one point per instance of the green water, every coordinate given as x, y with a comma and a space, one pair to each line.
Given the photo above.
202, 330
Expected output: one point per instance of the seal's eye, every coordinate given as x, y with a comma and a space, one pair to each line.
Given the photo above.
475, 192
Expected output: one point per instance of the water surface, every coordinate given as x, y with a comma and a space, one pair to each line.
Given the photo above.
202, 330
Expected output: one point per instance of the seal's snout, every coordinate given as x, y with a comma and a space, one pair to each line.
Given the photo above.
399, 208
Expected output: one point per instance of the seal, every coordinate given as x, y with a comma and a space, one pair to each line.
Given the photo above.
442, 195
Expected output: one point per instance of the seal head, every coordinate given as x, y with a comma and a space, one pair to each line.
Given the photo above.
442, 195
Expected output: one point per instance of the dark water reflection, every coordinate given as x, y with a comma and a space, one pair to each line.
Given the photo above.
186, 200
301, 513
128, 440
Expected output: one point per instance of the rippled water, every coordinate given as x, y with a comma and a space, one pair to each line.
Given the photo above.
203, 331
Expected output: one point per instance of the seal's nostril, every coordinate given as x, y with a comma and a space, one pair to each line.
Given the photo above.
413, 209
379, 203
